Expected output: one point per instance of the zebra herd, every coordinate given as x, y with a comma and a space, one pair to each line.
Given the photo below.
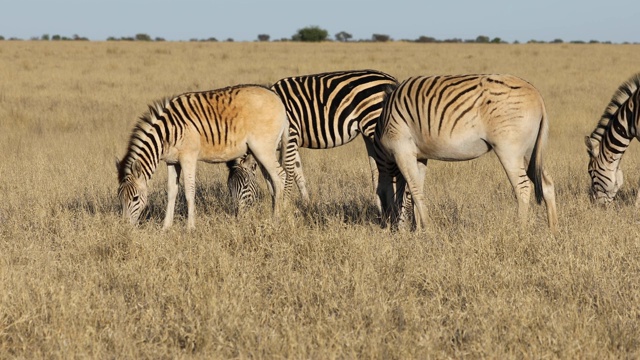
403, 124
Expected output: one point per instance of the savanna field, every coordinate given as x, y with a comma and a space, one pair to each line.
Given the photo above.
76, 281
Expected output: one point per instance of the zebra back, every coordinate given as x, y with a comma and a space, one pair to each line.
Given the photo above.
330, 109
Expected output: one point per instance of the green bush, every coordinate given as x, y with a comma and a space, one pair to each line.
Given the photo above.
310, 33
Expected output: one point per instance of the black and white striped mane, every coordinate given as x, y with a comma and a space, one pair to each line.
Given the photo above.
143, 124
621, 95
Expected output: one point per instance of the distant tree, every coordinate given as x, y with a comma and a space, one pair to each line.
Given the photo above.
310, 34
594, 42
45, 37
454, 40
159, 39
577, 42
343, 36
212, 39
557, 41
482, 39
1, 37
142, 37
496, 40
55, 37
80, 38
380, 37
229, 40
263, 37
426, 39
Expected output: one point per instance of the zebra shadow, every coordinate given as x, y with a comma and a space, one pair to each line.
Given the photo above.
349, 212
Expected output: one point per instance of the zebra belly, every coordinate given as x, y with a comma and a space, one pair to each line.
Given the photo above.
452, 149
221, 154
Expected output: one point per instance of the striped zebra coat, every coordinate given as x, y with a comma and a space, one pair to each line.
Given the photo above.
608, 142
211, 126
327, 110
457, 118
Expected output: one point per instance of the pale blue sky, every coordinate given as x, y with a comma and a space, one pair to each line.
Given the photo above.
243, 20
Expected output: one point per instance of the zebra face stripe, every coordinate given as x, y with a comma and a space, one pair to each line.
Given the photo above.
133, 199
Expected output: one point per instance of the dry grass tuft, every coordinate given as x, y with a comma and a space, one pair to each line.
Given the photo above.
325, 282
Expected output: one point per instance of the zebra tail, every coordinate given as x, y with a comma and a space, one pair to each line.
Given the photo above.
283, 153
534, 172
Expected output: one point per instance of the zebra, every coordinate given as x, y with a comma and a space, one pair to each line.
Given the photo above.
212, 126
327, 110
242, 182
610, 139
457, 118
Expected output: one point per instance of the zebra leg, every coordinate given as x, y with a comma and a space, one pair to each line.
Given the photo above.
384, 196
374, 171
298, 175
516, 172
414, 175
173, 177
549, 196
407, 217
269, 164
189, 168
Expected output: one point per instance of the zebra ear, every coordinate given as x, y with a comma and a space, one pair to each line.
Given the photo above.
592, 145
117, 163
136, 169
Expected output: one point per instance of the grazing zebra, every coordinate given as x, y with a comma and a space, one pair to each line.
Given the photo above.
610, 139
456, 118
242, 182
328, 110
212, 126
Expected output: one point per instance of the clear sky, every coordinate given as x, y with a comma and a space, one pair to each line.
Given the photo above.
242, 20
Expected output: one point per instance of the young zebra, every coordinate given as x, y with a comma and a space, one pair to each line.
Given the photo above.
328, 110
212, 126
611, 138
456, 118
242, 182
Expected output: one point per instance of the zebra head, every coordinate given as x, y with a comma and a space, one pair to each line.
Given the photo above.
605, 180
132, 192
242, 181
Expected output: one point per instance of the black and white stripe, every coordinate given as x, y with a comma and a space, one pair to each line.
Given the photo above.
242, 182
330, 109
608, 142
212, 126
457, 118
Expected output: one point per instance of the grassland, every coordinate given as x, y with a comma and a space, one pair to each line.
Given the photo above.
326, 282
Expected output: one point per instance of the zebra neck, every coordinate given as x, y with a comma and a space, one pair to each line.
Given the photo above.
146, 149
615, 140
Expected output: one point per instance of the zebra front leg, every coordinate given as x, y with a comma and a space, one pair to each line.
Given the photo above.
384, 196
298, 176
269, 164
173, 177
374, 171
189, 179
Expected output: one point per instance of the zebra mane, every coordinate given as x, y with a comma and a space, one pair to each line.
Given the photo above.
621, 95
144, 124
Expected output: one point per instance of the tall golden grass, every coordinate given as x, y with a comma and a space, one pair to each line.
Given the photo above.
326, 281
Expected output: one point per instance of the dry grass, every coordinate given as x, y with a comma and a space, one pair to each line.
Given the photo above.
326, 282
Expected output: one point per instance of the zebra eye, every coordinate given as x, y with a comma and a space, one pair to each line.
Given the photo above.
136, 197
